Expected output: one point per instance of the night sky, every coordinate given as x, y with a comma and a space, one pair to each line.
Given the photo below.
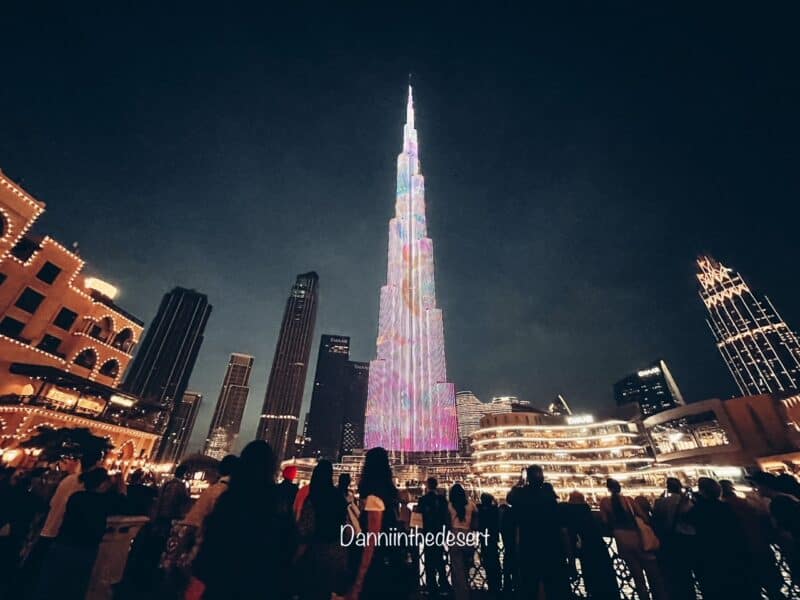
576, 162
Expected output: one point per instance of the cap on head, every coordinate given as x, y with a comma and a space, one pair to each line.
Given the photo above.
290, 473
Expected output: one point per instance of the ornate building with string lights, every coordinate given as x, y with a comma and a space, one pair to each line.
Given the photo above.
64, 342
760, 350
410, 404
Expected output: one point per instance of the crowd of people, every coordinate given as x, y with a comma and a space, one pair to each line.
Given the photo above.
248, 536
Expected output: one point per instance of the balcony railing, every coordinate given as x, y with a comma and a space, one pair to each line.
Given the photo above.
478, 579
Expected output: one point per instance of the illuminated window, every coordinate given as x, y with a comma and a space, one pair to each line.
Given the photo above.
48, 272
65, 319
29, 300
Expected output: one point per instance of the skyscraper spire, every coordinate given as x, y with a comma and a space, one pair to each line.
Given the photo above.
410, 107
410, 404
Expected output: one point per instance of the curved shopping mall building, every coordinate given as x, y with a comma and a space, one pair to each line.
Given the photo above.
576, 453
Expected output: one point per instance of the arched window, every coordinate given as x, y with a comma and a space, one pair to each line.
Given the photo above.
3, 226
124, 339
87, 358
103, 329
110, 368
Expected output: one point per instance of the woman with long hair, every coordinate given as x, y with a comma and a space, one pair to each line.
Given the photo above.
381, 565
323, 559
462, 521
249, 537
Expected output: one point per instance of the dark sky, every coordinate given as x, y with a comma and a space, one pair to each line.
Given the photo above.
576, 162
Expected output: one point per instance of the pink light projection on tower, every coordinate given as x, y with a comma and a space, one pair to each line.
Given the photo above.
410, 404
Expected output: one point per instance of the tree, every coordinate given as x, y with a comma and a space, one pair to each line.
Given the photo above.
66, 442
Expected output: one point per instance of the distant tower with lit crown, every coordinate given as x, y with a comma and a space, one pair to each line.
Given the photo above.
761, 352
410, 404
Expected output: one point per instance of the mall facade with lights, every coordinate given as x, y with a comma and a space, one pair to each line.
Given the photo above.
577, 452
64, 343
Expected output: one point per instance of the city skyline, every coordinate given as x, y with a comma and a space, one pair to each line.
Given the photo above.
578, 219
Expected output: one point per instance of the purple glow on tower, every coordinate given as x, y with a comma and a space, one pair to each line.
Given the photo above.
410, 404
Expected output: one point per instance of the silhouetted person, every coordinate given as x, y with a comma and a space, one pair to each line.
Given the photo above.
70, 560
756, 527
489, 523
287, 488
784, 509
724, 569
140, 496
208, 499
250, 536
380, 573
463, 519
323, 560
508, 533
433, 507
541, 553
619, 512
586, 544
677, 555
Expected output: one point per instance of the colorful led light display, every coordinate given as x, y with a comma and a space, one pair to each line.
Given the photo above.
410, 404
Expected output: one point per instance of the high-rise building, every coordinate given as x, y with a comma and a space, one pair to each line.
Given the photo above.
327, 398
470, 410
355, 406
338, 401
160, 371
653, 389
281, 411
761, 352
227, 419
410, 406
181, 424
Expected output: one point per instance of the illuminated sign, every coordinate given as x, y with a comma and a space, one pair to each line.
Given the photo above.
649, 372
580, 420
122, 400
101, 287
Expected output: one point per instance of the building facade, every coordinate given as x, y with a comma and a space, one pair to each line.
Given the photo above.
652, 389
761, 351
576, 453
181, 425
160, 372
411, 406
281, 411
227, 420
355, 406
748, 430
64, 342
470, 410
338, 401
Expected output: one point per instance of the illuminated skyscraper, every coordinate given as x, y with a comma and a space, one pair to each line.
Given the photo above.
761, 352
278, 422
410, 404
653, 389
227, 419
